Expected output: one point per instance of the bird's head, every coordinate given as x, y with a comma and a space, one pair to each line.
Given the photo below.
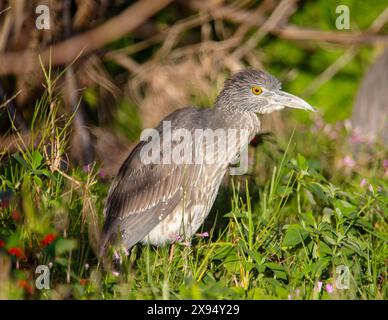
257, 91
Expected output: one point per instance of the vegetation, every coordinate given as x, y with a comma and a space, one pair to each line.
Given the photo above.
282, 235
309, 220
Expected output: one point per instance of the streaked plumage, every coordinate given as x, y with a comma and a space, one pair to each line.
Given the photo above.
158, 203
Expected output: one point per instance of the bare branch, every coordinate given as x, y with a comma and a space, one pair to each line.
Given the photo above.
343, 60
289, 31
66, 51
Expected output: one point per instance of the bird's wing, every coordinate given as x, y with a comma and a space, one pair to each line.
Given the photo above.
144, 194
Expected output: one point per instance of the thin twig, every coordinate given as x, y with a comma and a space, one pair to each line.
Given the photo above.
344, 59
89, 41
291, 32
285, 9
4, 104
5, 10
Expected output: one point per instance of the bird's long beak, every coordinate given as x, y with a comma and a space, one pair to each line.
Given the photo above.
286, 99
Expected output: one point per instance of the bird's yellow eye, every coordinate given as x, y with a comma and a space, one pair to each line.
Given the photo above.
257, 90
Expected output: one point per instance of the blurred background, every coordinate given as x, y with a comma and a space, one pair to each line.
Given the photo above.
121, 66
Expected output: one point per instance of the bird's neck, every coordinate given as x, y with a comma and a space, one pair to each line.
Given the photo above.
240, 120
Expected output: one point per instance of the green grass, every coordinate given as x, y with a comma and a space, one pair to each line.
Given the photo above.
277, 233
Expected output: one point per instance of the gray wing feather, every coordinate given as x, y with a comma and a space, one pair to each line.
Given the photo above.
141, 192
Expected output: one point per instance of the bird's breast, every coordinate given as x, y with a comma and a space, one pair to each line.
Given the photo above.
197, 198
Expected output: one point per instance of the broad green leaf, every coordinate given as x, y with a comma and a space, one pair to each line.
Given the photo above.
36, 159
278, 270
319, 266
65, 245
294, 235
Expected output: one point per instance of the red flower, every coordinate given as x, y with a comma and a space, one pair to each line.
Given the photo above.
15, 215
26, 286
2, 243
83, 282
17, 252
48, 239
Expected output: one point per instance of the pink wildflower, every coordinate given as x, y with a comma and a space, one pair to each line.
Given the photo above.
356, 138
348, 162
102, 173
329, 288
126, 252
385, 166
318, 287
203, 234
116, 255
348, 125
87, 168
186, 243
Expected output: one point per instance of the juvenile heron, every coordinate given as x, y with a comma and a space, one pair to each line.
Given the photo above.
160, 202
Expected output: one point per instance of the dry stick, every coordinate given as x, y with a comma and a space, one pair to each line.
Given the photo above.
296, 33
6, 9
94, 70
173, 33
252, 17
98, 37
291, 32
281, 12
189, 50
142, 71
84, 11
89, 41
10, 144
17, 117
246, 18
182, 25
221, 12
380, 21
206, 14
4, 104
81, 134
229, 60
5, 31
343, 60
211, 6
122, 59
331, 71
